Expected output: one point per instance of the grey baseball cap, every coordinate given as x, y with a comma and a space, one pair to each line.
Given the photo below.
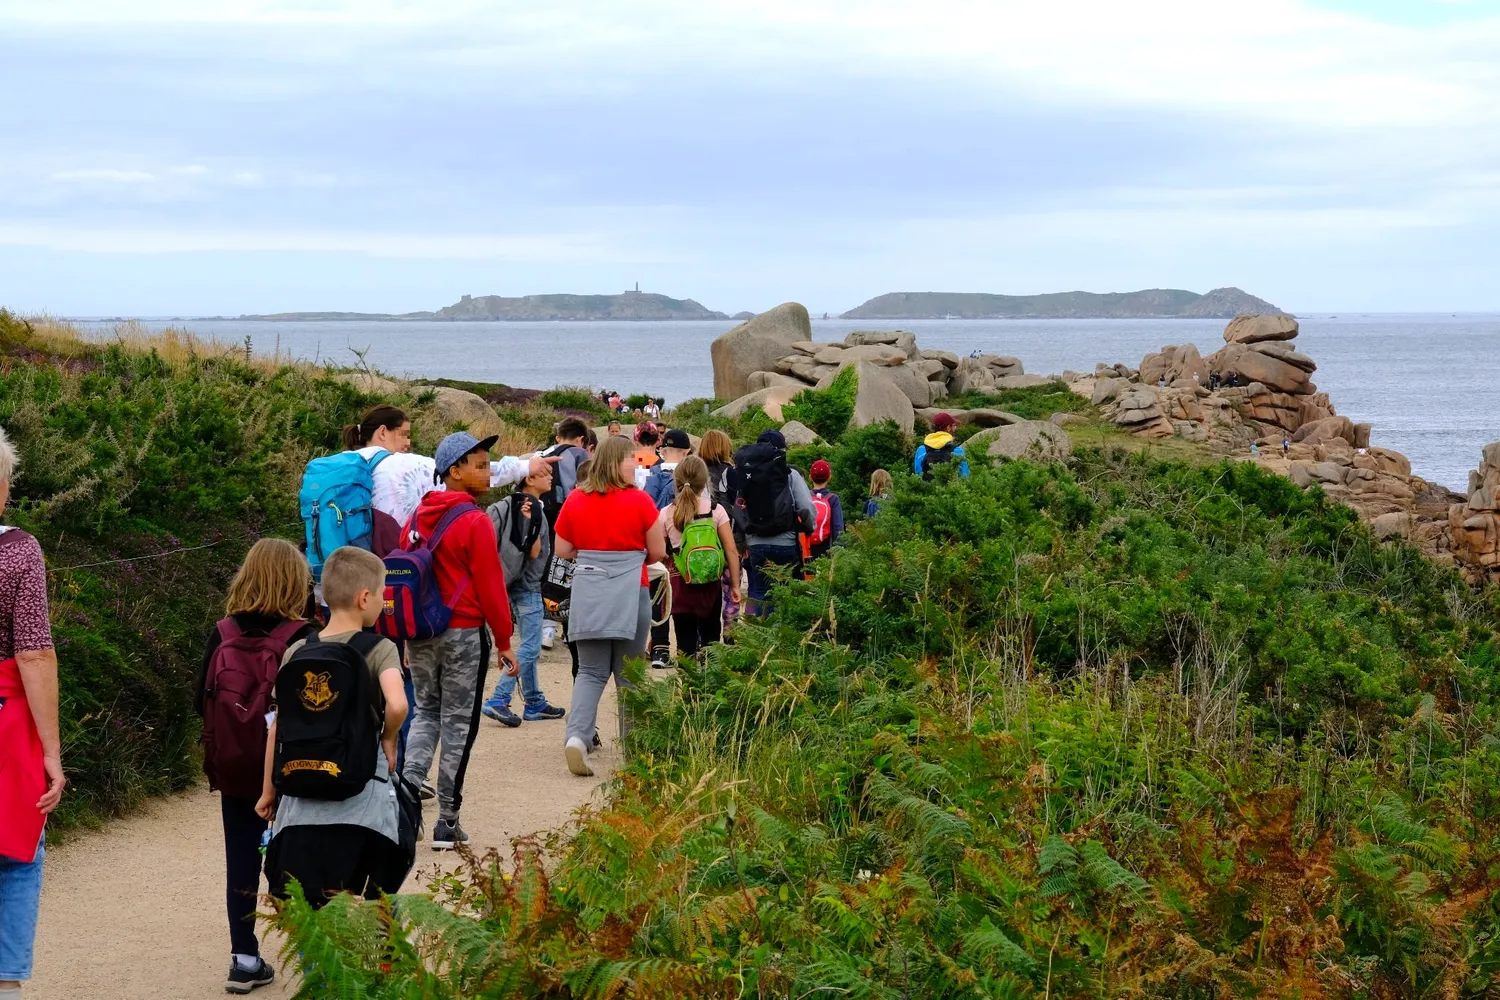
452, 449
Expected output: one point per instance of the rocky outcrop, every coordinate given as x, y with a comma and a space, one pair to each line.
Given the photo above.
1474, 525
797, 433
877, 398
1258, 329
755, 346
1172, 365
771, 400
924, 377
1039, 440
457, 409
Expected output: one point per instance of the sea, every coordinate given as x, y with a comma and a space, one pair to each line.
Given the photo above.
1429, 383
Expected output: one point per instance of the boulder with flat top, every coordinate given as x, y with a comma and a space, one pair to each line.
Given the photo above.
877, 397
756, 345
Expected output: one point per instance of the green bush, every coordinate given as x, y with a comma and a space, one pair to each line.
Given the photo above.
827, 411
857, 455
1036, 402
145, 483
1127, 729
578, 399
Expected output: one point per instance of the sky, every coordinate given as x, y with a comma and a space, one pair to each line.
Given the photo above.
171, 157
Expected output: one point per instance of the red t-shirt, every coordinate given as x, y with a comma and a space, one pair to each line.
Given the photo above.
616, 521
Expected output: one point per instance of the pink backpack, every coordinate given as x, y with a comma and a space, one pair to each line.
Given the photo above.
237, 695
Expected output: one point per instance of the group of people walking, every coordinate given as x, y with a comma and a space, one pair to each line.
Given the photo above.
346, 667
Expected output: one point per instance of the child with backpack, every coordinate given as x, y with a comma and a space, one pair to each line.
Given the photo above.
700, 547
234, 693
828, 513
450, 657
331, 754
675, 446
646, 438
882, 487
521, 525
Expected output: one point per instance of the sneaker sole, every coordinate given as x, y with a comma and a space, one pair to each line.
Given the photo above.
578, 761
243, 988
512, 722
442, 845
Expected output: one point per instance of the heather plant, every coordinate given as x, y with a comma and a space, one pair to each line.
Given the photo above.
1128, 728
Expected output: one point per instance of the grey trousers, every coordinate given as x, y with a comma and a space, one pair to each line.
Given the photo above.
598, 661
448, 674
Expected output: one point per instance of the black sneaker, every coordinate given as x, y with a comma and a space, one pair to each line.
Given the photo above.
448, 834
501, 714
243, 981
425, 791
544, 713
596, 743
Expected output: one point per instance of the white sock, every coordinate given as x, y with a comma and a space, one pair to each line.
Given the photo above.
247, 963
10, 993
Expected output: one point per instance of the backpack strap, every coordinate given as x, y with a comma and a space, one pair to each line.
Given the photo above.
364, 643
284, 632
229, 630
377, 458
449, 519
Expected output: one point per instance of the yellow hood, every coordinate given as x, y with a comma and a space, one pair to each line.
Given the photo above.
937, 439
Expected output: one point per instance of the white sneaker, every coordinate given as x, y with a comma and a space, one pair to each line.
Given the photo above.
578, 758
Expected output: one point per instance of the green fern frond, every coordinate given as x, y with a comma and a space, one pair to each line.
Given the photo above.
995, 949
1056, 853
1108, 875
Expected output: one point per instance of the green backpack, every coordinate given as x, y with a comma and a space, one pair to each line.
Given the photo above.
700, 558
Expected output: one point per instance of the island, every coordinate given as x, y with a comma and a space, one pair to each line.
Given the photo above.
1221, 303
628, 305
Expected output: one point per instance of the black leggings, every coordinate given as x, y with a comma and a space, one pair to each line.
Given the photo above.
242, 863
693, 633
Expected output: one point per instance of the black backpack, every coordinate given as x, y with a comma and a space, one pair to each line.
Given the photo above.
766, 489
937, 456
327, 734
552, 500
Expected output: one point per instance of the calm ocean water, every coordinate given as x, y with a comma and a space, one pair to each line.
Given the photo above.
1430, 384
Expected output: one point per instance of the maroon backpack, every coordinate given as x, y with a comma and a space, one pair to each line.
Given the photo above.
237, 694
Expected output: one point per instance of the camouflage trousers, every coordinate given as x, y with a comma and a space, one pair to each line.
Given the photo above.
448, 674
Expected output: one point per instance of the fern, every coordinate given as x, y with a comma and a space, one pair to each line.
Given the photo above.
995, 949
1056, 853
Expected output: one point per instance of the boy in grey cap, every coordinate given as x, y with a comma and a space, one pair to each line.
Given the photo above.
448, 671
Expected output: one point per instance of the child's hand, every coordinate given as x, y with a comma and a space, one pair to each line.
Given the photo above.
390, 756
265, 807
734, 593
512, 667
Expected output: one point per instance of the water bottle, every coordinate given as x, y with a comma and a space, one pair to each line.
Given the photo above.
265, 840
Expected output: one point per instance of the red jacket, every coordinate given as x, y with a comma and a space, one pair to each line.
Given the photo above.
467, 552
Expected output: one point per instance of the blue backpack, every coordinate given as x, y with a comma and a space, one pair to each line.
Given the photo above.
414, 607
336, 504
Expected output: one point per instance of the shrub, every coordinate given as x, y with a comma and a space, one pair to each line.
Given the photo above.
827, 411
575, 399
1036, 402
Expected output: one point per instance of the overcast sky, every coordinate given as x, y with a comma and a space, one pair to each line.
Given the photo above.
177, 157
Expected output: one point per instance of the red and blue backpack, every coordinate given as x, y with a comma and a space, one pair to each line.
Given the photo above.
414, 607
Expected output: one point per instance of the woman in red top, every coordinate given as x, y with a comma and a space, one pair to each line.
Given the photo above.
610, 528
31, 780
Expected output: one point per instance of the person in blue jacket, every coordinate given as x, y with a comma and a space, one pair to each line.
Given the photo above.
939, 447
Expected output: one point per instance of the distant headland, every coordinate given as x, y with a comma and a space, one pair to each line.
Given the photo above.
631, 305
1221, 303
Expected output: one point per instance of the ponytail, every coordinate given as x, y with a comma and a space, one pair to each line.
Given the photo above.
358, 435
691, 479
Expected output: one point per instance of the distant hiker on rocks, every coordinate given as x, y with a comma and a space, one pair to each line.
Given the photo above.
449, 668
338, 817
1286, 446
701, 554
31, 780
610, 528
828, 513
521, 525
881, 489
778, 506
235, 692
938, 448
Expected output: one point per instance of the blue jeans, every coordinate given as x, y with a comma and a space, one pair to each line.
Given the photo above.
20, 891
526, 608
758, 557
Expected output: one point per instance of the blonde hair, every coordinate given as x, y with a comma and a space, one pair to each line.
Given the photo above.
274, 580
347, 572
881, 484
9, 460
604, 475
691, 479
716, 447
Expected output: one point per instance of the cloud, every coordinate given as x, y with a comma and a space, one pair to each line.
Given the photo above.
105, 175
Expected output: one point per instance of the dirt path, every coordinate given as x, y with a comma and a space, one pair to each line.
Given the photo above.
137, 910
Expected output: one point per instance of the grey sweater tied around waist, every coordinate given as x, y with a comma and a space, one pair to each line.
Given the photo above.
606, 595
